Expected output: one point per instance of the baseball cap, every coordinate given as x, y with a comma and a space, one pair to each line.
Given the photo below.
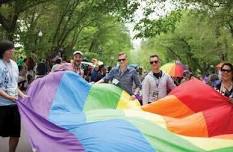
78, 52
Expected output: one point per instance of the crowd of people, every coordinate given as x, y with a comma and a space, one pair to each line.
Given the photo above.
95, 71
147, 88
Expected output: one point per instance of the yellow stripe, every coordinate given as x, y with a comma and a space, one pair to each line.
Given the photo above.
209, 143
227, 136
204, 143
154, 118
126, 103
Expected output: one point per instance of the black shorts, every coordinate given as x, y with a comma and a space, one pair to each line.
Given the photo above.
10, 125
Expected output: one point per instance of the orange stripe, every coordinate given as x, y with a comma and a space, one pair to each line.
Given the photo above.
173, 71
169, 106
193, 125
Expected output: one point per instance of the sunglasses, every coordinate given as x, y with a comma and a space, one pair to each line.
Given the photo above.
119, 60
156, 62
226, 70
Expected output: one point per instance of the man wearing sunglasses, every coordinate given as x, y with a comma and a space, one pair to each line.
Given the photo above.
124, 76
156, 84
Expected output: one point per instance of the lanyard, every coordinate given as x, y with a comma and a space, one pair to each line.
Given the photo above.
157, 83
157, 80
155, 94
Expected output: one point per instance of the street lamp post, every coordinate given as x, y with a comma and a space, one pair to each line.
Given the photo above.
40, 34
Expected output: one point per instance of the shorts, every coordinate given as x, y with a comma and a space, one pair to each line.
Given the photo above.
10, 125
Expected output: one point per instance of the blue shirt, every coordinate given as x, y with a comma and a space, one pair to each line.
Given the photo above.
94, 75
126, 79
9, 74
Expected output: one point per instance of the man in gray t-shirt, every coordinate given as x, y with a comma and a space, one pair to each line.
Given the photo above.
156, 84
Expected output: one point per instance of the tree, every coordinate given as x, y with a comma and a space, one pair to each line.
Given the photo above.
105, 39
153, 27
197, 41
62, 23
220, 10
10, 11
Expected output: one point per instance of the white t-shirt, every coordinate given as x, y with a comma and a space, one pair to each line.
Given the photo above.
9, 74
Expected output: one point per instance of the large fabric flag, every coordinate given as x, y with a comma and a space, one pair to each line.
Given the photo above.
66, 114
195, 109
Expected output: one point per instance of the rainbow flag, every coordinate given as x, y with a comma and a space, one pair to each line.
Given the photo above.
66, 114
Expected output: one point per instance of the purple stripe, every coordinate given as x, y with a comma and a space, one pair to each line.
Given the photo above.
46, 136
43, 92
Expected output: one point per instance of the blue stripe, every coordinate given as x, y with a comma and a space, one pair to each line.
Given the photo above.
111, 136
102, 136
71, 94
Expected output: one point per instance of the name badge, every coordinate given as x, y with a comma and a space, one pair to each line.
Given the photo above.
115, 81
155, 95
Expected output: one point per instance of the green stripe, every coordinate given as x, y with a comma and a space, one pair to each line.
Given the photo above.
101, 115
102, 96
160, 139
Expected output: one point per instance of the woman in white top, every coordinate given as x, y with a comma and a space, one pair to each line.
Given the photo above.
9, 92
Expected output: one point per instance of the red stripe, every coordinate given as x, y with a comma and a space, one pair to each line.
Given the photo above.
179, 70
219, 120
199, 96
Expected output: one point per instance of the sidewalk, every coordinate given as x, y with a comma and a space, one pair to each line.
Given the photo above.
23, 145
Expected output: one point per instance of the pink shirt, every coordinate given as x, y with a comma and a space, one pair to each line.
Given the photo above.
69, 67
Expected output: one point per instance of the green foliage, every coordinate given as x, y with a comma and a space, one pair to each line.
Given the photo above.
153, 27
199, 35
93, 26
197, 41
104, 39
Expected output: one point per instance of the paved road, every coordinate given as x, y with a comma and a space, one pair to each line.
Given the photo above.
22, 147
